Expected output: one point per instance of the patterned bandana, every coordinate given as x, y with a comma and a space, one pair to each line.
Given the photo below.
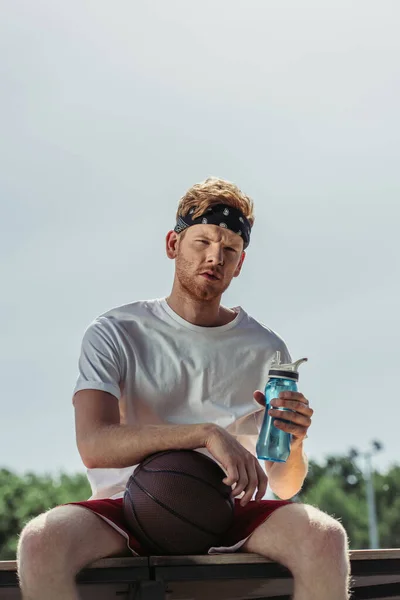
222, 215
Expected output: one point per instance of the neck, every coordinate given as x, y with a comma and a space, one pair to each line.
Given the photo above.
204, 313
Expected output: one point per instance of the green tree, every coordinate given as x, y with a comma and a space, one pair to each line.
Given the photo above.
329, 494
337, 487
22, 498
387, 498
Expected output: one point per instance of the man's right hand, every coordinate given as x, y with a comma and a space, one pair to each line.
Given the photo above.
242, 468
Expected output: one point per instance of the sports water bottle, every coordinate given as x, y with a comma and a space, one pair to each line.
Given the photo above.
273, 443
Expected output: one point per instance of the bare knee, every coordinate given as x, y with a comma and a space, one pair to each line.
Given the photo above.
325, 541
63, 541
49, 543
31, 540
326, 533
42, 543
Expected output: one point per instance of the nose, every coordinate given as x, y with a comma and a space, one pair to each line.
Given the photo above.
215, 255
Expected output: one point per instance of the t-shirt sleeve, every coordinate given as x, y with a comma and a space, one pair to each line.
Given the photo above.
286, 357
100, 365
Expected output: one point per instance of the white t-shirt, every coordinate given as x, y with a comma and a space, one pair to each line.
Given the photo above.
164, 369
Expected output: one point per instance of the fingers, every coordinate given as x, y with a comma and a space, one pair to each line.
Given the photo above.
295, 396
294, 417
253, 482
232, 476
242, 481
296, 430
251, 477
241, 467
259, 397
295, 405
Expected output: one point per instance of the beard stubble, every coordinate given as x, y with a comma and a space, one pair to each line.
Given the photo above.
189, 279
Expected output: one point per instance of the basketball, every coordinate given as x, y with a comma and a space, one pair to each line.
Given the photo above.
176, 503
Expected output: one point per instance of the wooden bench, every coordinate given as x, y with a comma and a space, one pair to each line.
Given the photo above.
239, 576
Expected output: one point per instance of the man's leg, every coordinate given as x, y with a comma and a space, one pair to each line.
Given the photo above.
312, 545
56, 545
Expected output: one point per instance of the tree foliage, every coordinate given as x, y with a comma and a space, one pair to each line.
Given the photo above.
338, 488
22, 498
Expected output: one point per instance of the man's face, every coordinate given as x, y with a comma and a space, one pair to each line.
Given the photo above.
207, 258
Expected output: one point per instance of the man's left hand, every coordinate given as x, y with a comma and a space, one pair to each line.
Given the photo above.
299, 418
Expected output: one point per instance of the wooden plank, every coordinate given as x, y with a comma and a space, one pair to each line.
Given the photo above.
8, 565
222, 571
104, 571
209, 559
230, 589
391, 553
373, 592
376, 574
126, 561
365, 580
248, 558
103, 563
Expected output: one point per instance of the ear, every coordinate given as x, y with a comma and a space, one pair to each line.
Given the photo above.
240, 264
171, 244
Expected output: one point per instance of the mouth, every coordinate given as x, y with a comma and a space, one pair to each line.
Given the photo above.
210, 276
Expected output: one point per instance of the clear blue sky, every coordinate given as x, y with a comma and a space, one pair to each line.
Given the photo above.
110, 111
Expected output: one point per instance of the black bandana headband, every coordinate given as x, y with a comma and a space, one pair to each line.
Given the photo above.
219, 214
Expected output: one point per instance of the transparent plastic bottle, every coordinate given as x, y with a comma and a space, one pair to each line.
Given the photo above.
273, 443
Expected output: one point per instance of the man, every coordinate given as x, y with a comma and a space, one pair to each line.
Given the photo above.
180, 373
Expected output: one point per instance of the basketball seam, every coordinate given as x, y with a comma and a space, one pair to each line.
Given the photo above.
171, 510
186, 475
145, 534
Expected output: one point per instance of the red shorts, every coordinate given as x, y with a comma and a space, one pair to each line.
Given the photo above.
246, 520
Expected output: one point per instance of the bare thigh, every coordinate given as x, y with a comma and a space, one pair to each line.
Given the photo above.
299, 533
68, 537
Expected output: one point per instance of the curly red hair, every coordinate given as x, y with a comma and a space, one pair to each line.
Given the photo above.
215, 191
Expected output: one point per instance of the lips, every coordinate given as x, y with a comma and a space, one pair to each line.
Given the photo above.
210, 275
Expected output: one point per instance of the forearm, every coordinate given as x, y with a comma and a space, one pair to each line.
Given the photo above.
118, 446
286, 479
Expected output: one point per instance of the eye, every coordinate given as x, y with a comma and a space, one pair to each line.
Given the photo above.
202, 241
231, 249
